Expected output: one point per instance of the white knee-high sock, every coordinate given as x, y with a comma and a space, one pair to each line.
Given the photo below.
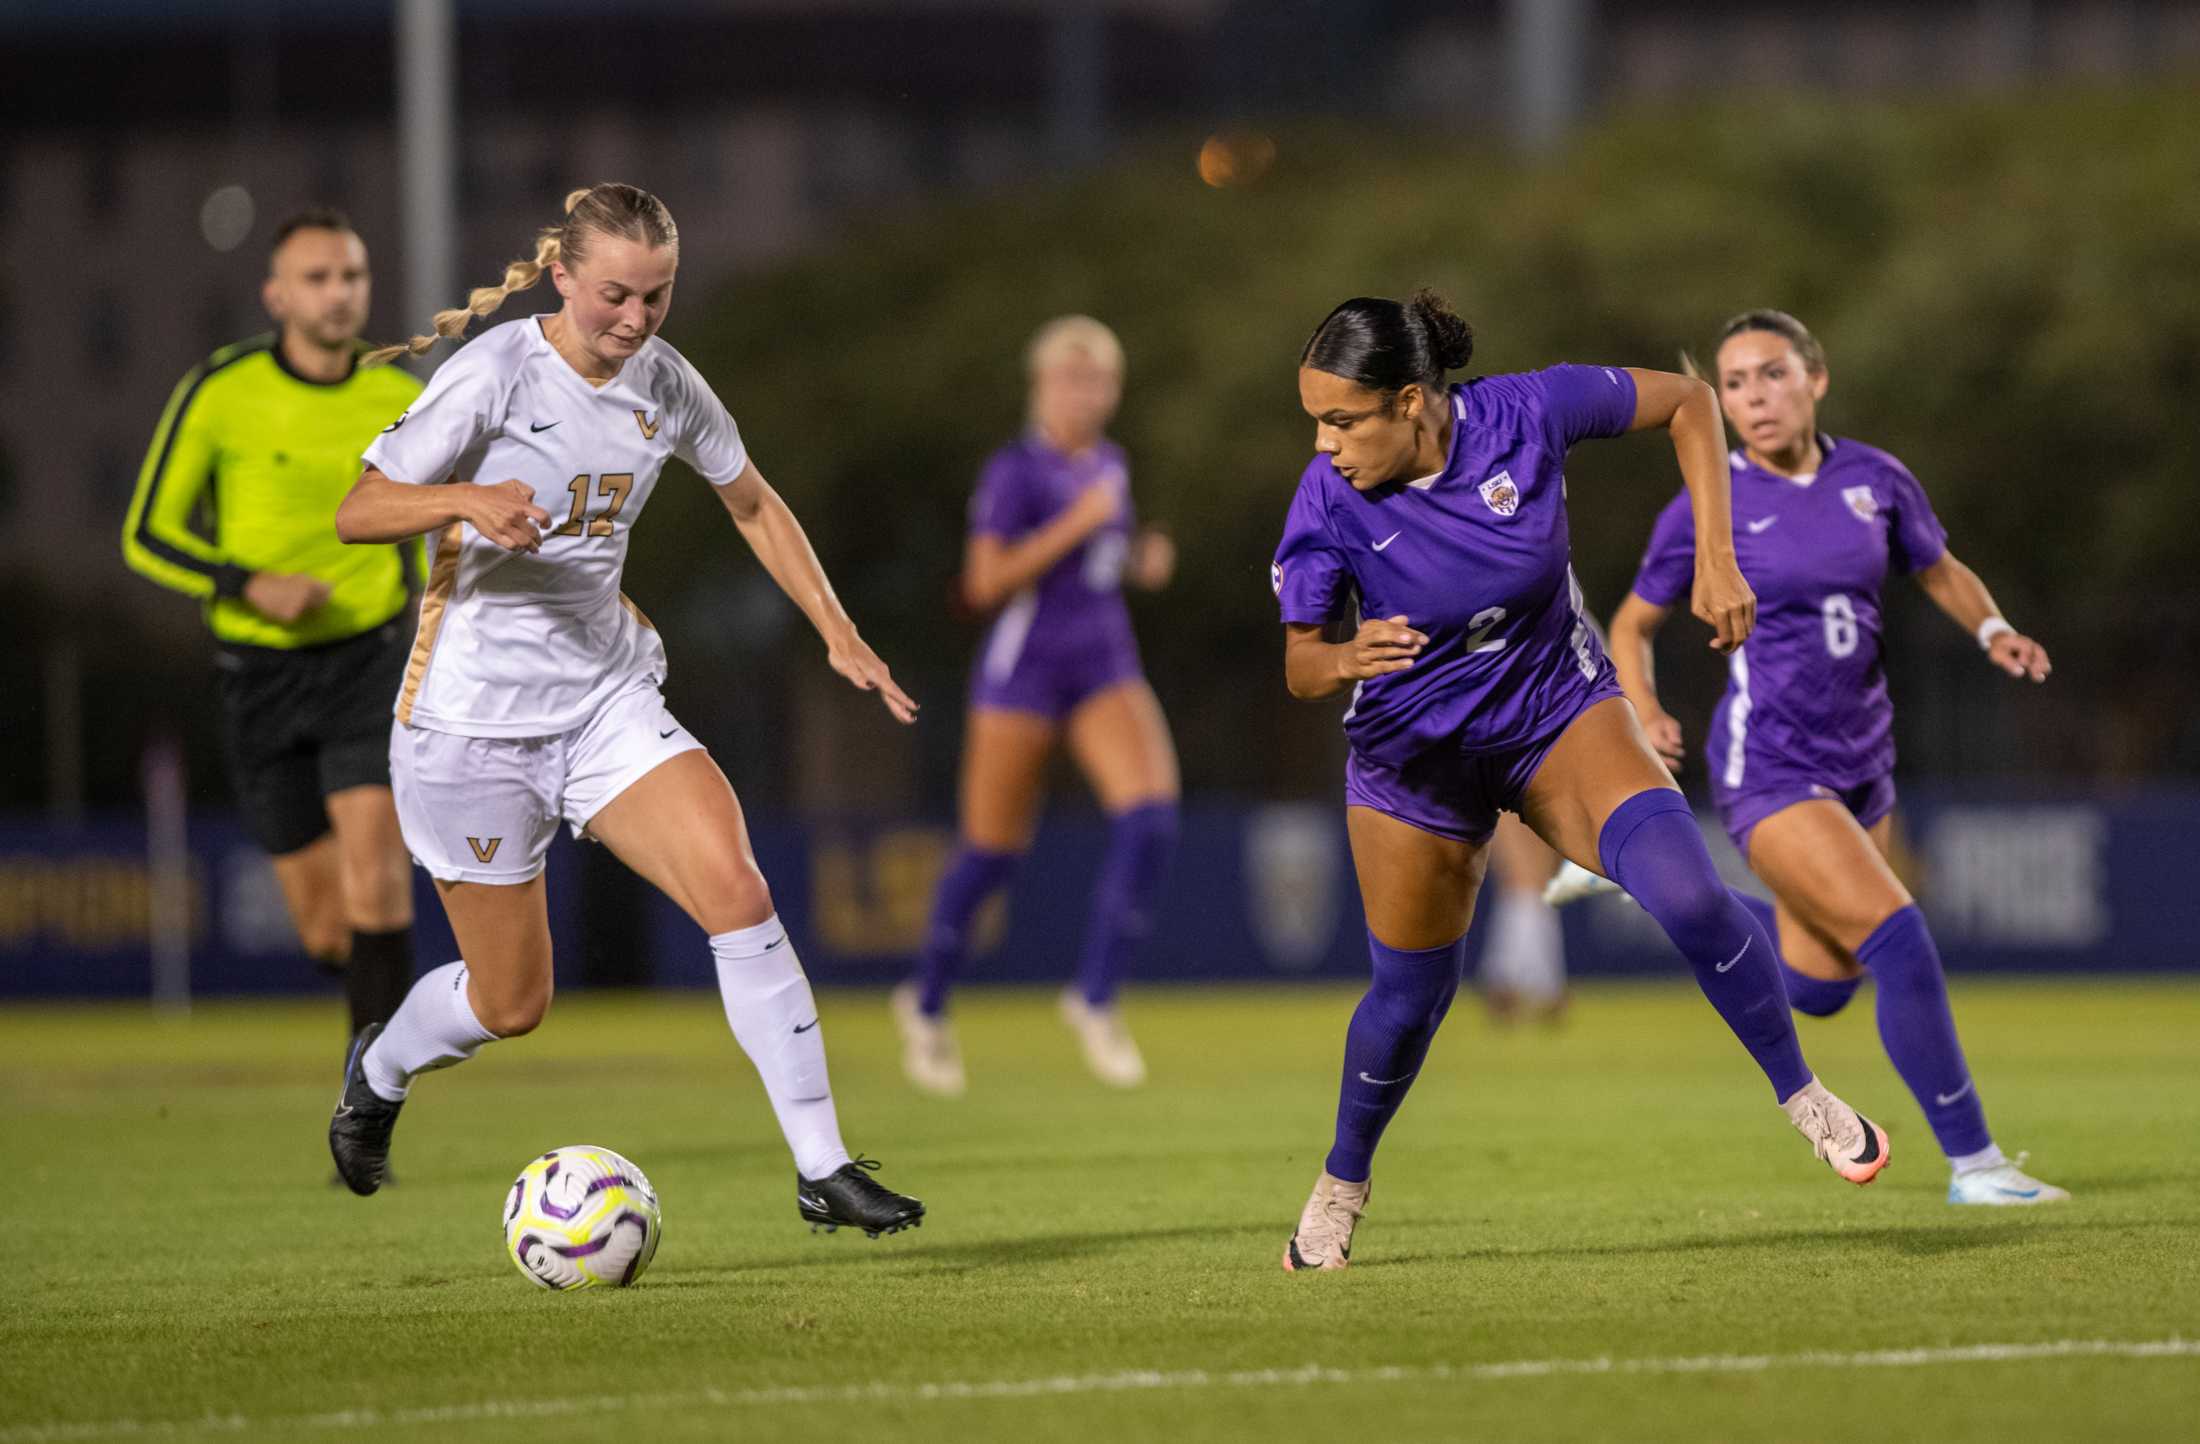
774, 1018
433, 1028
1526, 951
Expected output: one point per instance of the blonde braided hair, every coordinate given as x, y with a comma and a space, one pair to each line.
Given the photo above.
610, 208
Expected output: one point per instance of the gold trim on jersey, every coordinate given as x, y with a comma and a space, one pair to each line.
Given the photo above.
635, 612
442, 581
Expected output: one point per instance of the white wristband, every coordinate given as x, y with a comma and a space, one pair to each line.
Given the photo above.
1991, 628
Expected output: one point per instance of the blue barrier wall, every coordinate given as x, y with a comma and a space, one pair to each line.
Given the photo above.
1258, 892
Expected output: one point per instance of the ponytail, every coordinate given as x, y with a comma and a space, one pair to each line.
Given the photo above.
607, 209
483, 301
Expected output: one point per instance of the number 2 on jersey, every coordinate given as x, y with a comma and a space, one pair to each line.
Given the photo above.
613, 486
1485, 622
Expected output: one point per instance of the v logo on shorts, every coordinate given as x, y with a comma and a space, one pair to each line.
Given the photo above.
649, 427
485, 851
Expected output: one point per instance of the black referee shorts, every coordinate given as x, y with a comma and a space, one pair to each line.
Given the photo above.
300, 724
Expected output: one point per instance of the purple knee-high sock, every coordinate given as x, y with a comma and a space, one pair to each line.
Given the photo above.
1384, 1047
1140, 841
970, 879
1650, 846
1920, 1033
1819, 997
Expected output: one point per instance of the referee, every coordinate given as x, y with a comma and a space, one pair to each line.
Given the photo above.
236, 506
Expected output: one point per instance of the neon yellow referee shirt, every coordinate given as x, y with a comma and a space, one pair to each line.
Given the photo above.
245, 473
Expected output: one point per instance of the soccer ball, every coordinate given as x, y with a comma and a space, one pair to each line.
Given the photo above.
581, 1217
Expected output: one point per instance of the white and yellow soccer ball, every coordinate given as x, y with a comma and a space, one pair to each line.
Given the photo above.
582, 1217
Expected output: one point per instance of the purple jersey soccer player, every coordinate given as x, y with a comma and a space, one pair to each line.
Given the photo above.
1051, 537
1478, 685
1801, 750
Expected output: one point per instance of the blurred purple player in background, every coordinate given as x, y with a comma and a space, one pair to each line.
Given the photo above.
1478, 686
1523, 969
1801, 749
1051, 544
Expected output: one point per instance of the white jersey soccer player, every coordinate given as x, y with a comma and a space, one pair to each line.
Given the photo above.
531, 696
538, 644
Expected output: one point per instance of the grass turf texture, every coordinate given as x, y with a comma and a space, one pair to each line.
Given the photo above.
1621, 1188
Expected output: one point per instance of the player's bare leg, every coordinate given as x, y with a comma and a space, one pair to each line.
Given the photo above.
1602, 796
681, 827
1121, 742
1003, 781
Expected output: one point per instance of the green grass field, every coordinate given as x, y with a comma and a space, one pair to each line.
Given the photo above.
1607, 1231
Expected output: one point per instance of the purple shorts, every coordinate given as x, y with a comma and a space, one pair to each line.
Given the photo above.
1455, 793
1054, 686
1742, 810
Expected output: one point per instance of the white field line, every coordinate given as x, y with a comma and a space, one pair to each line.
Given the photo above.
1129, 1381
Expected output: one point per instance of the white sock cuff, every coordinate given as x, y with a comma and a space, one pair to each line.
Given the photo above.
767, 936
1990, 1156
462, 1008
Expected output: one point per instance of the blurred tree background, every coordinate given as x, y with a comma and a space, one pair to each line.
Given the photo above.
2006, 291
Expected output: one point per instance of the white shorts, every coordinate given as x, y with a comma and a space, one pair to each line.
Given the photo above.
483, 809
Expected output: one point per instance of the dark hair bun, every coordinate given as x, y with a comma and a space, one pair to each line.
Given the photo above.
1388, 345
1450, 338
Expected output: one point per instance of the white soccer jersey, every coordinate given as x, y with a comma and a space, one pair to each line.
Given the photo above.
520, 644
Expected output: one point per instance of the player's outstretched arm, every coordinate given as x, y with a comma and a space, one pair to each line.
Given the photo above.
379, 510
772, 532
1689, 409
1633, 625
1958, 591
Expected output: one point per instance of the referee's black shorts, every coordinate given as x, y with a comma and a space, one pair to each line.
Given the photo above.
300, 724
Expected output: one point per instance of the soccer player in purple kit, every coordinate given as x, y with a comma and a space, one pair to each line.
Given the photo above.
1801, 749
1478, 685
1051, 537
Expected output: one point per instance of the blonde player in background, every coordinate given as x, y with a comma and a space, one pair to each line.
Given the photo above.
531, 696
1052, 545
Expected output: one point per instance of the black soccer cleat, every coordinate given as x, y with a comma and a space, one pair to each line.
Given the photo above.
851, 1198
359, 1130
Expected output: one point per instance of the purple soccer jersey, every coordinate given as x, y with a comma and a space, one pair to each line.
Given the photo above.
1068, 634
1806, 695
1475, 557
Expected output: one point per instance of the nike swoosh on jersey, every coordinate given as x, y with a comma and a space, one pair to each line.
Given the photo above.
1761, 523
544, 425
668, 734
805, 1027
1386, 541
1944, 1099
